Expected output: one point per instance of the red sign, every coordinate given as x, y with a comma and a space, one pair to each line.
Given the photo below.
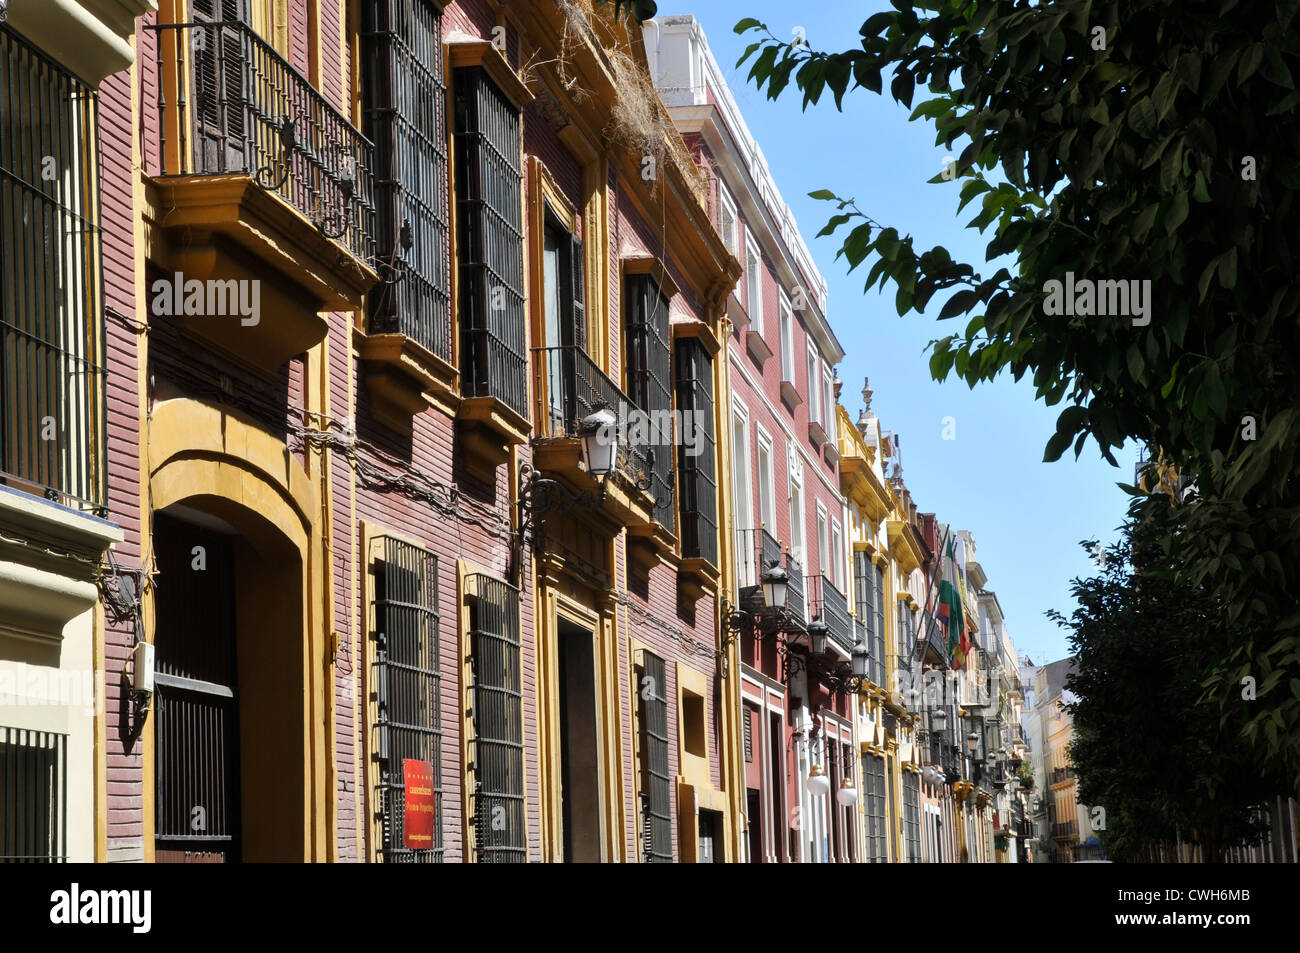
417, 777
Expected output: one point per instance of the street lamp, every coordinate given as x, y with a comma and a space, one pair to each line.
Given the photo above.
861, 658
972, 740
818, 783
817, 636
776, 586
847, 795
599, 442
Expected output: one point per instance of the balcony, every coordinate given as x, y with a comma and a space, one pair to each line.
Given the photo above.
254, 175
1066, 830
1061, 775
756, 550
830, 605
568, 386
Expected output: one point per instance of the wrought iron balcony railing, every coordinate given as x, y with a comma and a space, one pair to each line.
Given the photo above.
1065, 830
828, 604
568, 387
229, 104
756, 550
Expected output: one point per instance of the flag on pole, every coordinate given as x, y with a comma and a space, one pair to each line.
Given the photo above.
951, 609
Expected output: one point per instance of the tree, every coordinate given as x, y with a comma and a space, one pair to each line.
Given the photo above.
1161, 763
1154, 143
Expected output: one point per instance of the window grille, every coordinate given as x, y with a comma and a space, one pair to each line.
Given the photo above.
656, 806
873, 779
748, 728
649, 372
698, 496
878, 649
499, 832
51, 293
490, 241
33, 795
912, 816
408, 683
406, 119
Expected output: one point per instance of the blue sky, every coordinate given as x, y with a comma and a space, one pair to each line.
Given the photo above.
1027, 516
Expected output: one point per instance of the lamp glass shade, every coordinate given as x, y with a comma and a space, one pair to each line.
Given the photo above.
599, 442
972, 740
776, 586
818, 783
817, 636
940, 718
847, 795
861, 658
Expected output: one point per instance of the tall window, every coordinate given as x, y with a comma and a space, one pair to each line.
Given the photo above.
499, 833
823, 542
652, 758
912, 816
649, 360
728, 221
787, 341
408, 686
565, 315
405, 117
837, 555
878, 650
697, 458
490, 241
814, 387
873, 783
754, 284
766, 483
51, 297
34, 809
864, 596
828, 401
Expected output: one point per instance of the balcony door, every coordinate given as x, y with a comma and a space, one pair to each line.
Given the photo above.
219, 53
565, 327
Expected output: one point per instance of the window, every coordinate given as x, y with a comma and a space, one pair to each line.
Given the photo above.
814, 391
34, 809
728, 221
499, 833
748, 728
649, 359
766, 482
490, 242
797, 542
828, 401
878, 650
823, 542
754, 284
837, 555
565, 316
873, 783
408, 686
697, 457
693, 737
405, 117
912, 816
652, 758
51, 297
787, 341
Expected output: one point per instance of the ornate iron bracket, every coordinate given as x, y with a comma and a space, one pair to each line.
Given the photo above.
272, 177
336, 225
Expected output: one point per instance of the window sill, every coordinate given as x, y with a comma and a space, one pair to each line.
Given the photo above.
817, 434
758, 348
91, 38
41, 593
697, 577
790, 396
488, 430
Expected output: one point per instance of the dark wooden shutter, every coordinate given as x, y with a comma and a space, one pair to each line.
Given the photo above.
220, 99
656, 784
578, 293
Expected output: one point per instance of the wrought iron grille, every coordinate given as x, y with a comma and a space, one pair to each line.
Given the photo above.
649, 371
906, 639
698, 495
656, 803
224, 97
873, 783
832, 607
52, 422
499, 833
33, 796
490, 241
408, 685
912, 816
406, 118
795, 601
570, 386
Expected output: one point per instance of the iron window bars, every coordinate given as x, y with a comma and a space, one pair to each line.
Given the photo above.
873, 782
656, 789
408, 684
832, 607
406, 119
698, 496
490, 241
33, 796
649, 372
912, 816
52, 421
229, 103
756, 551
499, 832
